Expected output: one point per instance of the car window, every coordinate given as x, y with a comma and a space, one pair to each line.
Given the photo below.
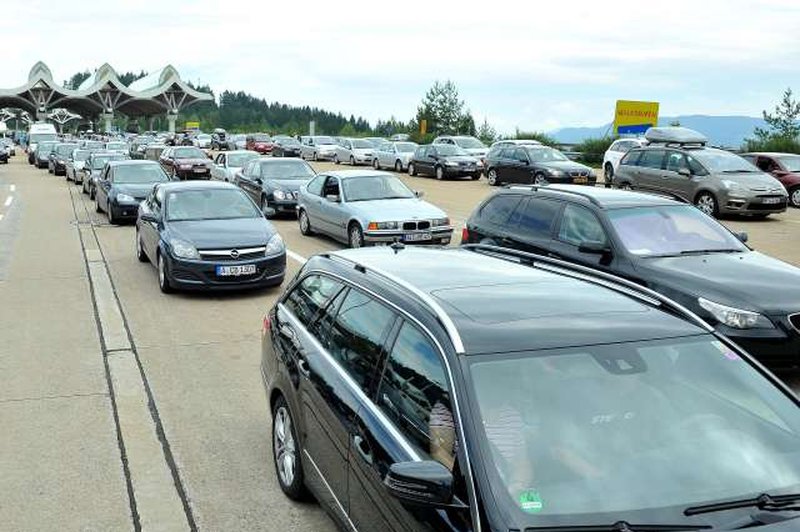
332, 187
535, 217
520, 155
499, 208
579, 225
413, 393
311, 295
315, 185
695, 167
652, 159
631, 158
357, 335
765, 164
676, 161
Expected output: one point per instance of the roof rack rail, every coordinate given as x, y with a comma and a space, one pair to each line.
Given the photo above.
433, 306
591, 275
546, 188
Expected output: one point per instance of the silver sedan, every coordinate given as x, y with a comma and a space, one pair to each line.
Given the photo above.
354, 151
395, 155
227, 163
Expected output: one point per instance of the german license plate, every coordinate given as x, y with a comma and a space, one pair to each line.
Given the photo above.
417, 237
199, 170
235, 271
580, 180
771, 201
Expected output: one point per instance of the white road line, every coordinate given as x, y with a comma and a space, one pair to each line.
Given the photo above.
1, 217
299, 258
9, 200
12, 188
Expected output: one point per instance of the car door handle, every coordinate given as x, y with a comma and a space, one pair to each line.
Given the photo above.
302, 367
362, 448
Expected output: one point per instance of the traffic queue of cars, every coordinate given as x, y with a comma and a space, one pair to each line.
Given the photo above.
588, 359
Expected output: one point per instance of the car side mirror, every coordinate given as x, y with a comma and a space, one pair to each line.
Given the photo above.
333, 198
426, 483
594, 247
742, 236
419, 193
685, 172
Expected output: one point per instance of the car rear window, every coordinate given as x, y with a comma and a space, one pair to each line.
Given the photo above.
535, 217
499, 208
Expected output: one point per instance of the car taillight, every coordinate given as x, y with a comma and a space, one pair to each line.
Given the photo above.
265, 325
464, 235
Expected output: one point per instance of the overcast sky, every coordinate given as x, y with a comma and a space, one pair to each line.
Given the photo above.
533, 65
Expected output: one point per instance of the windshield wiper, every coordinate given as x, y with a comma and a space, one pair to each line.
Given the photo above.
740, 171
619, 526
764, 502
700, 251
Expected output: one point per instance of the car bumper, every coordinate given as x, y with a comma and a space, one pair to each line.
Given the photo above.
124, 211
289, 205
438, 236
290, 153
363, 159
763, 204
188, 175
777, 348
201, 274
461, 170
326, 156
569, 180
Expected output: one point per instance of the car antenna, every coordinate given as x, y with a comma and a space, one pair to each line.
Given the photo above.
397, 246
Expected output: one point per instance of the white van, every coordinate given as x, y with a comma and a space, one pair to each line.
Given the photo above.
39, 132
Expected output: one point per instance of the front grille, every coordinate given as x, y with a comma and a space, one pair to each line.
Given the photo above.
222, 255
768, 206
413, 226
794, 320
579, 173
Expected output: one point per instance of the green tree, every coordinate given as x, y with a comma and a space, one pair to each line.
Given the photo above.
486, 133
444, 111
542, 137
75, 81
593, 149
782, 122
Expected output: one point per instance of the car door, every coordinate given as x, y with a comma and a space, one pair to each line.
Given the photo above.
429, 160
676, 177
247, 179
649, 170
150, 232
411, 418
103, 186
220, 169
332, 215
519, 167
578, 225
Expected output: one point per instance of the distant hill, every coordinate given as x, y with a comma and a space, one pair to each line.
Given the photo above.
728, 131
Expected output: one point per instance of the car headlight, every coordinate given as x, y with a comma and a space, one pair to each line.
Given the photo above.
280, 195
733, 186
556, 173
440, 222
183, 249
275, 245
125, 198
735, 317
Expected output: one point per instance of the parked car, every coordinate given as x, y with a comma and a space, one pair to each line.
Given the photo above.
471, 145
285, 146
614, 154
227, 164
57, 162
395, 155
531, 164
94, 166
75, 164
666, 245
514, 142
577, 400
677, 161
363, 207
42, 153
186, 162
274, 183
400, 137
119, 146
353, 151
237, 142
259, 142
122, 185
318, 148
220, 140
208, 235
377, 142
153, 152
9, 146
444, 161
203, 141
785, 167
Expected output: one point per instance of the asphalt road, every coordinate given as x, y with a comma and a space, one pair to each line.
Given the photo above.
185, 433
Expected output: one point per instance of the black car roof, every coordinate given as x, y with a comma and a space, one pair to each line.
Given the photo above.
603, 198
133, 162
490, 305
197, 185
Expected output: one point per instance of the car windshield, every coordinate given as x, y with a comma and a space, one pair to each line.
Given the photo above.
361, 143
722, 161
450, 149
546, 155
469, 143
261, 138
289, 169
211, 204
116, 146
46, 147
131, 174
189, 153
406, 147
80, 155
37, 138
375, 187
638, 430
238, 160
790, 162
323, 140
671, 230
99, 162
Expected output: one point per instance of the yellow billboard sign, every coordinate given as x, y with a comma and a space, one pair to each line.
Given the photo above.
423, 126
634, 118
192, 125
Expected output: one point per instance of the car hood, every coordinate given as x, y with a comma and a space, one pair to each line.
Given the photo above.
564, 166
138, 190
747, 280
391, 210
759, 182
223, 234
287, 184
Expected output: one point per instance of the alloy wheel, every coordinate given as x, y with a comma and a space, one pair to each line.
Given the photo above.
707, 204
284, 446
356, 238
794, 197
491, 177
439, 173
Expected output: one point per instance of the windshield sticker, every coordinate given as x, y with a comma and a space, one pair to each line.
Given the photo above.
530, 502
727, 351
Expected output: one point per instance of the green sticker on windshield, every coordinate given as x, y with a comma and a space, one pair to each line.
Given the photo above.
530, 502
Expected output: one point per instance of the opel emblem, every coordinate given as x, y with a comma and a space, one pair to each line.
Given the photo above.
234, 254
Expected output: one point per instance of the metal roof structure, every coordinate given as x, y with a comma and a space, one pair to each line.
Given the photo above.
102, 93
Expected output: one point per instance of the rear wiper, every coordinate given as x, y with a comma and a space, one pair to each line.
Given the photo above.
619, 526
764, 502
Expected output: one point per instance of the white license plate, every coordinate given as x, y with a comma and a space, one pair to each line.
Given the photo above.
771, 201
416, 237
234, 271
199, 170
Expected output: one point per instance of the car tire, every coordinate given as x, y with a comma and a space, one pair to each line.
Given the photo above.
491, 177
304, 223
352, 161
110, 213
608, 175
707, 203
355, 236
375, 164
794, 197
163, 277
539, 179
92, 193
626, 186
286, 452
140, 253
97, 204
314, 157
412, 170
476, 176
335, 159
264, 206
398, 166
439, 171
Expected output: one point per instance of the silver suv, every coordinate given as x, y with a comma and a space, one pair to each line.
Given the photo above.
678, 162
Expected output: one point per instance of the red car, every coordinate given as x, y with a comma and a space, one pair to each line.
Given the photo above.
259, 142
785, 167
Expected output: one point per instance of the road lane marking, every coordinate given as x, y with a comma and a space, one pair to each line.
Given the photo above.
8, 201
295, 256
1, 217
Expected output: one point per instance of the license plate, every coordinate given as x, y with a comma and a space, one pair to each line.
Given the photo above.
199, 170
234, 271
580, 180
416, 237
771, 201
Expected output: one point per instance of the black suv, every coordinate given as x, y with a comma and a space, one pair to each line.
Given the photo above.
661, 243
535, 165
491, 389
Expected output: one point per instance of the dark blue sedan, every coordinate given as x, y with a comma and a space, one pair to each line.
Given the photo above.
203, 235
122, 185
